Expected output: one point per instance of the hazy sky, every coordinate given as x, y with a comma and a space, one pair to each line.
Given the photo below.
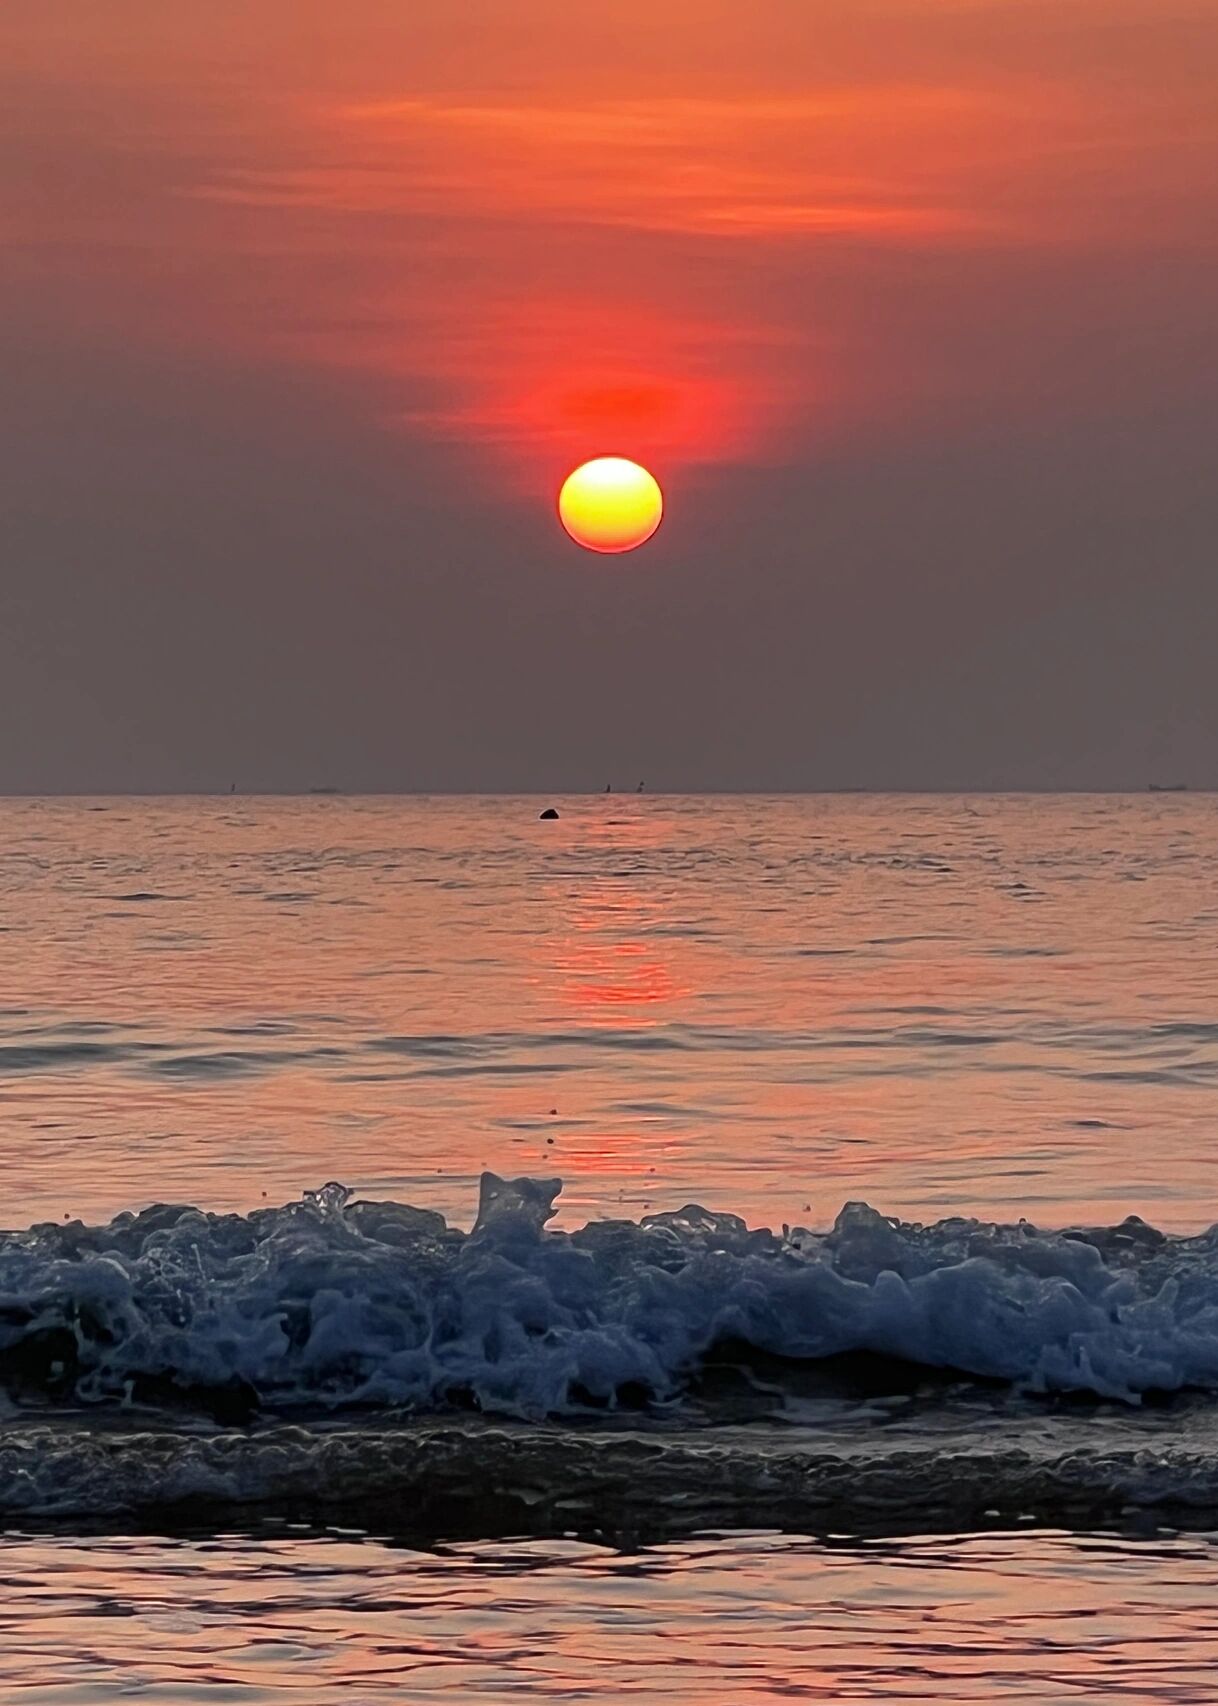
306, 309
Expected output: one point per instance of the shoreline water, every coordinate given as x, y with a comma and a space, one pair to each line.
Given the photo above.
362, 1360
990, 1019
429, 1480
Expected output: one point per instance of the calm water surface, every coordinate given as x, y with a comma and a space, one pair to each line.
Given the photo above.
1035, 1618
771, 1006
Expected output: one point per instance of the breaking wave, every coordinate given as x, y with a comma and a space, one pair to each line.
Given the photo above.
365, 1358
333, 1305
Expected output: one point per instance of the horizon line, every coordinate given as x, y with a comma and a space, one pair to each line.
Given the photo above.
1132, 790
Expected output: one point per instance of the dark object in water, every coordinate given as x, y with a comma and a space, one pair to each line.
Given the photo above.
549, 812
1168, 787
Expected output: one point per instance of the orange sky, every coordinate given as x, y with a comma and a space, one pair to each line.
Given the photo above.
659, 230
465, 244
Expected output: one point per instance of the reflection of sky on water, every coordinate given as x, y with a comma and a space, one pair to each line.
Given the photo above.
1039, 1617
995, 1006
615, 957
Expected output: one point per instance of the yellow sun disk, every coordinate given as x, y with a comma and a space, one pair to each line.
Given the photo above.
610, 504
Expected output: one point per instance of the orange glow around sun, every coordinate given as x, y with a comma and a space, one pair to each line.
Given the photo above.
610, 504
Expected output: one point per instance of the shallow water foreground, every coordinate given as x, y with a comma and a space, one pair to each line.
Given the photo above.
1029, 1616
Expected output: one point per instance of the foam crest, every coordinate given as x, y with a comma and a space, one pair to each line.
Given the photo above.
330, 1303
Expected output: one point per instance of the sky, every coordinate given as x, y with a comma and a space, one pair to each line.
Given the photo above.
306, 310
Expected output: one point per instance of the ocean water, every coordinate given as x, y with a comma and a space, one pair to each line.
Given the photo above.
694, 1248
1038, 1617
768, 1006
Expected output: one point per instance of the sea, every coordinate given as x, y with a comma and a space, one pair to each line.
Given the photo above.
718, 1248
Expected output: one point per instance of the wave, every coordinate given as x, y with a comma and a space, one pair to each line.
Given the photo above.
330, 1305
322, 1359
479, 1478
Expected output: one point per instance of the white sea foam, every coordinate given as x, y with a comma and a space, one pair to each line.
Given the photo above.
330, 1302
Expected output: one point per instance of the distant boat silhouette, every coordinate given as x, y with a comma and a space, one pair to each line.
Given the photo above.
325, 790
1167, 787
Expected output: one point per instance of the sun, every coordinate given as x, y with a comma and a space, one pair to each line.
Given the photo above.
610, 504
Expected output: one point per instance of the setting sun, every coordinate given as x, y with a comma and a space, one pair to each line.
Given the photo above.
610, 504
